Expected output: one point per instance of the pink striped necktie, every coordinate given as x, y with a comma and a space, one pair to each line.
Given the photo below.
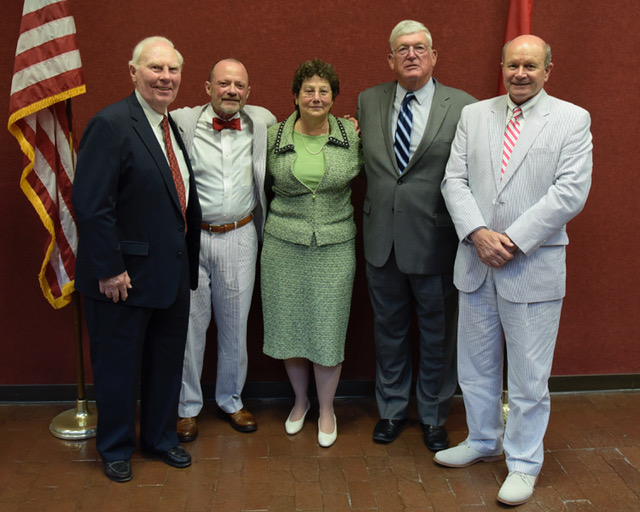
510, 137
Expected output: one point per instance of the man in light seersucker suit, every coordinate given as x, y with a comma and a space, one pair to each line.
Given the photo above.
409, 239
510, 265
227, 142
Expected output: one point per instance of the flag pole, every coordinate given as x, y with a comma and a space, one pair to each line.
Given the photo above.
81, 422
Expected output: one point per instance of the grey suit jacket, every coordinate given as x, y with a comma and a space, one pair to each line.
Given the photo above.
187, 119
545, 185
408, 212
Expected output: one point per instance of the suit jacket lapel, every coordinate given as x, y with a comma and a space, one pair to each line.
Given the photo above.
496, 124
439, 107
386, 107
143, 129
258, 150
534, 124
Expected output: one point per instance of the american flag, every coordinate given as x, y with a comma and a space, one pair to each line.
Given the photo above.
47, 74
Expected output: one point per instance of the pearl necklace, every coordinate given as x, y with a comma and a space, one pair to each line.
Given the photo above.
321, 147
302, 135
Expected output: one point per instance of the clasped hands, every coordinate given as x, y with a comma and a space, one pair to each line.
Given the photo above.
494, 249
116, 287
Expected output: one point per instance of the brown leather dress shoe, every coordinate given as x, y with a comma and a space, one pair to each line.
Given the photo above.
187, 429
242, 420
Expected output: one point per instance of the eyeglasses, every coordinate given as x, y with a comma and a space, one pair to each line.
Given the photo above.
310, 92
418, 49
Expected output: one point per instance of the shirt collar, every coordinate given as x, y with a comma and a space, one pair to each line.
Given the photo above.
154, 118
422, 95
526, 107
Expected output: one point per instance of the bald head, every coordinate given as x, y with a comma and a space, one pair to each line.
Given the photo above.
526, 65
530, 39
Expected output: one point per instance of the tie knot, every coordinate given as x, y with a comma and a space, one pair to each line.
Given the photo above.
517, 112
408, 97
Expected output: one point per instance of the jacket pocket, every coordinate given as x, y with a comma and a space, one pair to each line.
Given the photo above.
134, 248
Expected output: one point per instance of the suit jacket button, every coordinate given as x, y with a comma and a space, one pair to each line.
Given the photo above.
400, 181
181, 229
179, 254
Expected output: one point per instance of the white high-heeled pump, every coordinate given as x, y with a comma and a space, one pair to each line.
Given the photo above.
326, 440
293, 427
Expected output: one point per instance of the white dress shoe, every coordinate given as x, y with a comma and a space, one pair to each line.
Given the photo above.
326, 440
463, 455
293, 427
517, 488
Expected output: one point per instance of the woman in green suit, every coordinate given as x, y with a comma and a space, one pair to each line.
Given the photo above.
308, 257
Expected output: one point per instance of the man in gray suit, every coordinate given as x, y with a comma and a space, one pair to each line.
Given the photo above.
510, 203
409, 239
226, 142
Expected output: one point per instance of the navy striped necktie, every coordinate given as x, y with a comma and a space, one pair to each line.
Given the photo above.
402, 143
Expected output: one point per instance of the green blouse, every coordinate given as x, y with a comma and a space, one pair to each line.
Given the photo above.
309, 167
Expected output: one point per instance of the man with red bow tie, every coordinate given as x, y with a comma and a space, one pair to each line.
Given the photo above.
226, 142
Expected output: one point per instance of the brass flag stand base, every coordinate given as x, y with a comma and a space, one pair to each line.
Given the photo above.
75, 424
81, 422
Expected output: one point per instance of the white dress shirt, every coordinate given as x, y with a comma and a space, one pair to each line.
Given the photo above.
155, 120
223, 167
526, 108
420, 106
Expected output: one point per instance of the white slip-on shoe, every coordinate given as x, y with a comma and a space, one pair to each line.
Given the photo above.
326, 440
517, 488
463, 455
293, 427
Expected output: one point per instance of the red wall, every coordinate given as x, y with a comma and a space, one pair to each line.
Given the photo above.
595, 55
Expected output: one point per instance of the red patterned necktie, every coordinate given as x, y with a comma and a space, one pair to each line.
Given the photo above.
510, 137
221, 124
175, 168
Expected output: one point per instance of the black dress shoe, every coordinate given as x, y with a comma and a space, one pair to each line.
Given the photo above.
177, 457
387, 431
435, 438
118, 470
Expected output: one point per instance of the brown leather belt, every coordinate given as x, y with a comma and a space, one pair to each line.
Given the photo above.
213, 228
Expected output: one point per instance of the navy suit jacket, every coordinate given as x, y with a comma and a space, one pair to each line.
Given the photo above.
128, 211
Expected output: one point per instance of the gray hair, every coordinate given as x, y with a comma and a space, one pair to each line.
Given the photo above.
547, 53
408, 27
137, 51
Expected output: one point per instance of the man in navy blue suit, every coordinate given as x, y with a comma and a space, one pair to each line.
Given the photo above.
139, 230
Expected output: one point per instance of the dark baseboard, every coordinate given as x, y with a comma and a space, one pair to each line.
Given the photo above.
347, 388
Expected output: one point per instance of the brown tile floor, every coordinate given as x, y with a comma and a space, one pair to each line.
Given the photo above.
592, 463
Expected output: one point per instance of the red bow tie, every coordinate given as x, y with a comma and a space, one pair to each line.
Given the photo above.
220, 124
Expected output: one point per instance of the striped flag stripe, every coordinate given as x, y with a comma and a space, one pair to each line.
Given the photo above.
42, 52
45, 33
44, 70
70, 81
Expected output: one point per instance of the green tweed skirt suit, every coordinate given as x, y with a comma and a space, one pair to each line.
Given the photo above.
308, 257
